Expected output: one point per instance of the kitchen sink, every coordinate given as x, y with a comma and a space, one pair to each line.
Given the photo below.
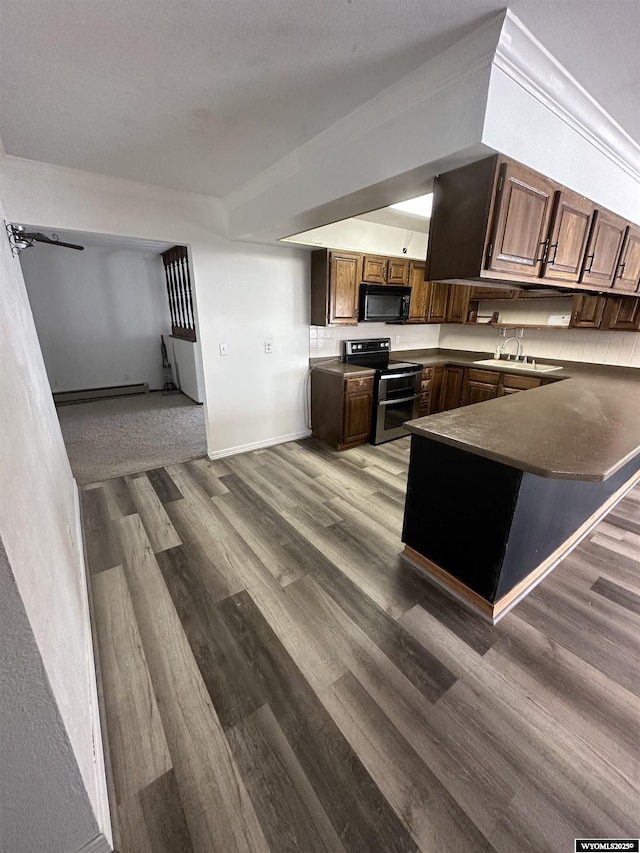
519, 365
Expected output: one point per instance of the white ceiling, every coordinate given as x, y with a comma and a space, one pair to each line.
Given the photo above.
203, 95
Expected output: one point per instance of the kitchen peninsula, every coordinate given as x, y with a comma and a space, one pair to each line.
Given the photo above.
500, 491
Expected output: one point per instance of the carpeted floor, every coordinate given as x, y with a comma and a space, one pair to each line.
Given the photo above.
124, 435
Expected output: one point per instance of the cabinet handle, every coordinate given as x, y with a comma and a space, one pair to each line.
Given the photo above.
545, 252
621, 267
592, 256
552, 260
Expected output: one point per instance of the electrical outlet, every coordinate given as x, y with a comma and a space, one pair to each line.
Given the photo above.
397, 339
224, 349
268, 347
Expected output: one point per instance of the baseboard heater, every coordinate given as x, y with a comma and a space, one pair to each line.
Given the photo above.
62, 397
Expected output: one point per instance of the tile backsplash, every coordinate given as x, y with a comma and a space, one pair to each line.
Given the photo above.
326, 341
622, 348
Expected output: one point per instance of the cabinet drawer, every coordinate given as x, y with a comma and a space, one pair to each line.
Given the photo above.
521, 383
489, 377
359, 385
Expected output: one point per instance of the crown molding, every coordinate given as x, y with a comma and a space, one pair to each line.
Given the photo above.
528, 63
464, 60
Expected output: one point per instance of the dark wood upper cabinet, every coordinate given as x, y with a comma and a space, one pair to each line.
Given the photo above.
588, 311
627, 275
621, 314
398, 271
492, 293
374, 269
497, 220
603, 249
419, 293
570, 226
379, 270
335, 281
458, 303
437, 302
521, 221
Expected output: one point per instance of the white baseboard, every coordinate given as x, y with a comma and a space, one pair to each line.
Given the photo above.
99, 844
256, 445
102, 843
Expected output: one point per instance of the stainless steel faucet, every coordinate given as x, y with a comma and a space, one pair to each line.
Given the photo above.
518, 342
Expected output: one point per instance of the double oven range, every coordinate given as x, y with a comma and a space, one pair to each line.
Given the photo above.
396, 388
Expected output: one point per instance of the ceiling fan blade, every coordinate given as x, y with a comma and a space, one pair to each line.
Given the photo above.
42, 238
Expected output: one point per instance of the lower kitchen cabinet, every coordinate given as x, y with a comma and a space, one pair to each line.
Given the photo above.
478, 386
341, 408
437, 385
511, 384
452, 388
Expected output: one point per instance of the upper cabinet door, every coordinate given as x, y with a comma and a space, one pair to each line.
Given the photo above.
374, 269
419, 293
344, 278
523, 203
622, 314
603, 249
398, 271
627, 276
437, 299
570, 224
588, 310
458, 303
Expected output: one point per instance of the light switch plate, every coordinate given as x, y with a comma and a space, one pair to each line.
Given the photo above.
224, 349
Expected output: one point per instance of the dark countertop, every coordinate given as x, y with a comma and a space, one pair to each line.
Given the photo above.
584, 427
335, 366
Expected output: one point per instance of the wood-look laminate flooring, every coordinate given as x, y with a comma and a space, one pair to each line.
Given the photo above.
276, 679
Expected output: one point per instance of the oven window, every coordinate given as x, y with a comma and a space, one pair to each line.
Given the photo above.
395, 414
394, 389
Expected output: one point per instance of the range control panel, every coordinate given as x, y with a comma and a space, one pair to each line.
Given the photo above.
370, 345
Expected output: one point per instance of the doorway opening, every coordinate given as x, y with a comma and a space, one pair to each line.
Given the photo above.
117, 333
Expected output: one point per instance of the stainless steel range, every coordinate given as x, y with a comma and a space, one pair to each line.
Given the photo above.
396, 390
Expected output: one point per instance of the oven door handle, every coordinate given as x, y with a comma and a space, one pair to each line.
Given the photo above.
400, 375
402, 400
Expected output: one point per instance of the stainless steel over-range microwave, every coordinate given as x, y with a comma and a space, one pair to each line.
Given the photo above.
383, 303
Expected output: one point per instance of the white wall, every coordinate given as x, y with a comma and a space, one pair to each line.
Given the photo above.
358, 235
244, 293
99, 315
50, 751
